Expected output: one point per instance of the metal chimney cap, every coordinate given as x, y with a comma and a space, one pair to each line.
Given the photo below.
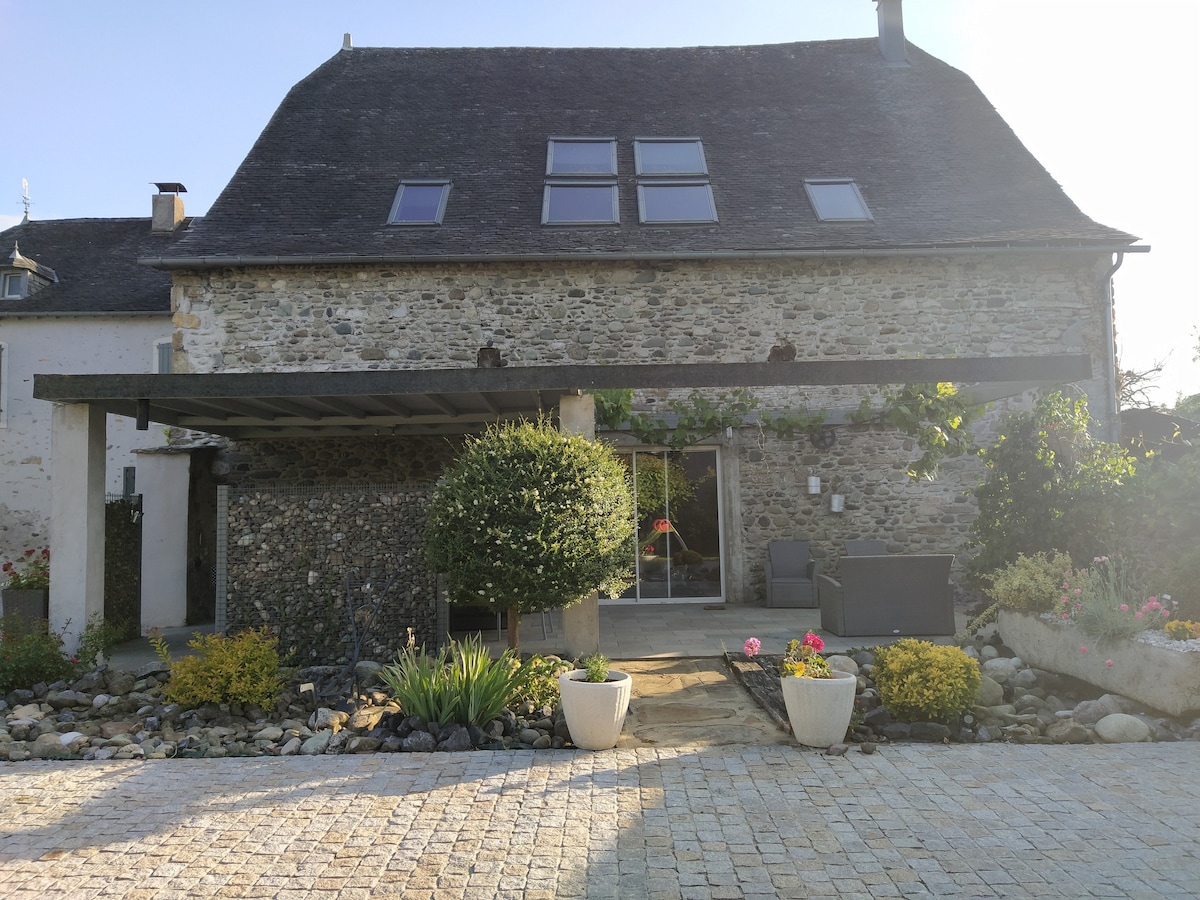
169, 187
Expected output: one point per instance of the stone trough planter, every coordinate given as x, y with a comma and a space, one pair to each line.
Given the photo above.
1163, 678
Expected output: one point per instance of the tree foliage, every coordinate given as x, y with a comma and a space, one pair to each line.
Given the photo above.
531, 519
1050, 486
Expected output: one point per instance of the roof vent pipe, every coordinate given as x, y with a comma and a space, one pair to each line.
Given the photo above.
891, 32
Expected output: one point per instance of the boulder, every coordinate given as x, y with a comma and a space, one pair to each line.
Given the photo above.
1122, 728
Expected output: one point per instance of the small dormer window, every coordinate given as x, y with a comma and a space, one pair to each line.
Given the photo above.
837, 200
419, 203
12, 285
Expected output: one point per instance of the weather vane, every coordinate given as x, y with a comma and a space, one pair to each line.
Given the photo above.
25, 197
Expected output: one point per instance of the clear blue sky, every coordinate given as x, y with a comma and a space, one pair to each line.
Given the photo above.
101, 98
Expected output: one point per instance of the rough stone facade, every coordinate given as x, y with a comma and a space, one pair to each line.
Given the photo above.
438, 316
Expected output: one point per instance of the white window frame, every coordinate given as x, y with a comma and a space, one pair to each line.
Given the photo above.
445, 185
7, 280
846, 182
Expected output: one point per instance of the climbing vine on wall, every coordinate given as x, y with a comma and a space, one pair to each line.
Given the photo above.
935, 414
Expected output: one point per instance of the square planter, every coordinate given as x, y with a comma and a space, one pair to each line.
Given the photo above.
30, 604
1161, 678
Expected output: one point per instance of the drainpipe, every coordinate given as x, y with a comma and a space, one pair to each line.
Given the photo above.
1112, 424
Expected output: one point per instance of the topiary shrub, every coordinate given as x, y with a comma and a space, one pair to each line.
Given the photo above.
530, 519
243, 669
923, 682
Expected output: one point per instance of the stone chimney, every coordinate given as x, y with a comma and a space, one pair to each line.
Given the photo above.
891, 32
167, 211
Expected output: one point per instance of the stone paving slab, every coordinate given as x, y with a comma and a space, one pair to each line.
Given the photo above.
682, 822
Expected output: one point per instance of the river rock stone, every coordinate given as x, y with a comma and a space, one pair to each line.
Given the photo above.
1068, 731
1122, 728
990, 693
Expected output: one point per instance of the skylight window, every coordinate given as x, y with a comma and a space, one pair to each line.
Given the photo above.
579, 203
671, 185
676, 201
669, 156
419, 203
837, 200
581, 156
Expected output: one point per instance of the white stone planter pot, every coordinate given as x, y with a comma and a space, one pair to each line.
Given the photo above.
595, 711
1164, 679
819, 708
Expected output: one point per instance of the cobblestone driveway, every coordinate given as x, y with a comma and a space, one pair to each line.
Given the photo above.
741, 821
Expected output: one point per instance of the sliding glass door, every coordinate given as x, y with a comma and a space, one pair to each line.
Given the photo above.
677, 556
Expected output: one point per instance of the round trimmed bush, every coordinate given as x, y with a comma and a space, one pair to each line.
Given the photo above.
923, 682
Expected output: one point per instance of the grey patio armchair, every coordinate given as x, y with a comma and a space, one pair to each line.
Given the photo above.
791, 575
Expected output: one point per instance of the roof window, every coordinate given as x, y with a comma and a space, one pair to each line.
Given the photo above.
669, 156
581, 156
419, 203
581, 182
579, 203
837, 200
672, 187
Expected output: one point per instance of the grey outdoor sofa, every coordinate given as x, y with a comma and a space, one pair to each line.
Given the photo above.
896, 594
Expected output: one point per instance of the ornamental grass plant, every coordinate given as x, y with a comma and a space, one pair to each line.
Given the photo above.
460, 684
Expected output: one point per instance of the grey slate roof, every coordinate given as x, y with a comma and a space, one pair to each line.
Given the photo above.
934, 161
96, 264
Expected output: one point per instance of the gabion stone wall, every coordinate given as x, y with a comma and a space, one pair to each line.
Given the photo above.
312, 562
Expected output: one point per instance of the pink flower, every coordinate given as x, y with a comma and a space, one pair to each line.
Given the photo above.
1138, 615
1108, 662
1083, 649
1064, 599
1078, 591
811, 640
1166, 613
752, 646
1124, 607
1065, 616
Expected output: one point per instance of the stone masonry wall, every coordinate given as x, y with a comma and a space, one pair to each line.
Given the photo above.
438, 316
291, 551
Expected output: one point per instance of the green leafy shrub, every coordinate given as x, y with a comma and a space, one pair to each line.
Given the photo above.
1030, 583
99, 638
920, 681
539, 680
1050, 486
530, 519
242, 668
30, 653
461, 684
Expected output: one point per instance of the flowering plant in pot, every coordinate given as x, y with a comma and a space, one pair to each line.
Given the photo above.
819, 700
29, 572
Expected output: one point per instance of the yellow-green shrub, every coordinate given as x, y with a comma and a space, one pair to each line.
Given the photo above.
1029, 583
243, 668
919, 681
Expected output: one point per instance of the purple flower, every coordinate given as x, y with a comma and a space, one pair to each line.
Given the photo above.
752, 646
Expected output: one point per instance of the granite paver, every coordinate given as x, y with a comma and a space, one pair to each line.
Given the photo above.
682, 822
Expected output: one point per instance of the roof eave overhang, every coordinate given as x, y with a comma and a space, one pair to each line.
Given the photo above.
424, 401
222, 262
